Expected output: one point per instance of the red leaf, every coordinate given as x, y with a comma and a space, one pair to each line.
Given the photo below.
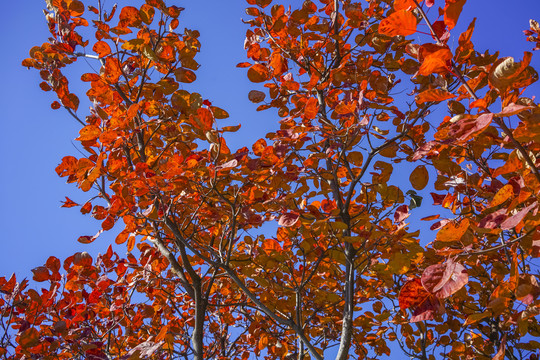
86, 208
444, 279
427, 309
422, 304
69, 203
88, 239
412, 294
108, 223
468, 127
82, 259
53, 264
493, 220
288, 219
401, 22
41, 273
401, 213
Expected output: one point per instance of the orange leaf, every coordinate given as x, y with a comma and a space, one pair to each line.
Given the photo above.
271, 245
29, 338
147, 13
102, 48
257, 73
419, 177
90, 77
404, 4
513, 163
401, 22
112, 70
129, 16
259, 146
89, 133
67, 167
345, 108
453, 231
506, 192
131, 243
452, 10
431, 217
436, 62
312, 108
433, 95
122, 237
185, 75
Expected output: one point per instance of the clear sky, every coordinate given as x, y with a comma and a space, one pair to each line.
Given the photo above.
34, 138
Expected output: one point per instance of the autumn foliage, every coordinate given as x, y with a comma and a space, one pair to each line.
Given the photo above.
300, 245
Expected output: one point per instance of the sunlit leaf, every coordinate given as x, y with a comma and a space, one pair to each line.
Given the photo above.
433, 95
401, 22
102, 48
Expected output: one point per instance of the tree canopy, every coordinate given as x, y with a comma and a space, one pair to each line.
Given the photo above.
299, 245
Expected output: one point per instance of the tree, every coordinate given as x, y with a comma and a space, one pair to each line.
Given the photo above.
295, 246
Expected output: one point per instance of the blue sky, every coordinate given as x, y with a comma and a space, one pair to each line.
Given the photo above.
34, 137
